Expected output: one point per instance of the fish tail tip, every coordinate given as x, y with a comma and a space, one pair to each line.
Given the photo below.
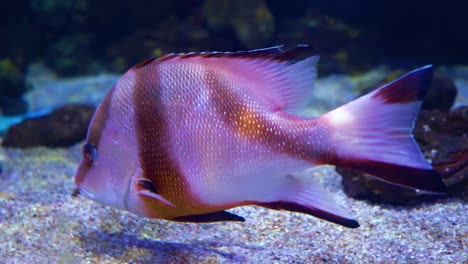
411, 87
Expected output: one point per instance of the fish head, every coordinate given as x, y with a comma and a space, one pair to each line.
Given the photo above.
109, 160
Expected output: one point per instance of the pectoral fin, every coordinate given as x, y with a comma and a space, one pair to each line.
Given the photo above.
210, 217
147, 188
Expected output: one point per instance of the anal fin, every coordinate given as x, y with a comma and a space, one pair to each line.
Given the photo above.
315, 211
210, 217
302, 194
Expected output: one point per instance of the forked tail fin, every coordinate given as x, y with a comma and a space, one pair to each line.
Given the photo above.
373, 134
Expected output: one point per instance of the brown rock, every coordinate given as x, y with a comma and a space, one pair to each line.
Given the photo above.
443, 138
441, 95
65, 126
364, 187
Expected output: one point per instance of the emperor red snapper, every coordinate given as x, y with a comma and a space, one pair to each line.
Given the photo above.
187, 136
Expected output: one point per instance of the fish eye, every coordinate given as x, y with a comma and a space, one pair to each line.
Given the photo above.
90, 152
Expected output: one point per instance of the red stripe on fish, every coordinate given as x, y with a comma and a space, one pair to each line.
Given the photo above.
152, 135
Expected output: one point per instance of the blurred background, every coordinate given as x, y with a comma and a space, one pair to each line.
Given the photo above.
84, 36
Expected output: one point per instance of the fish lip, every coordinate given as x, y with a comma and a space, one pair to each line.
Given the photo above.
85, 193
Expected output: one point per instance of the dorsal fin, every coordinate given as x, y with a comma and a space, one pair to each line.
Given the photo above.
144, 63
284, 79
267, 53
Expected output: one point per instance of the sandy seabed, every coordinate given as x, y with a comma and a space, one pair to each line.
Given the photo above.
41, 222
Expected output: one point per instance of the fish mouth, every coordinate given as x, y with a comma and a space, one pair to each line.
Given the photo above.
85, 193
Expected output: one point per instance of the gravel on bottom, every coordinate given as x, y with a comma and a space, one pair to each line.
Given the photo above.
41, 222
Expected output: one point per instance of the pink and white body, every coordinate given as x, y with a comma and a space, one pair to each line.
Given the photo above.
187, 136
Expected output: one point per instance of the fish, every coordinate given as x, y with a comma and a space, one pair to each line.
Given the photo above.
185, 137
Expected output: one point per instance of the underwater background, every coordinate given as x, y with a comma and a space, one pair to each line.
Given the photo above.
58, 58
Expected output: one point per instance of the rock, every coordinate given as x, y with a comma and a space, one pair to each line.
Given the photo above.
443, 138
452, 164
52, 94
64, 126
364, 187
442, 93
